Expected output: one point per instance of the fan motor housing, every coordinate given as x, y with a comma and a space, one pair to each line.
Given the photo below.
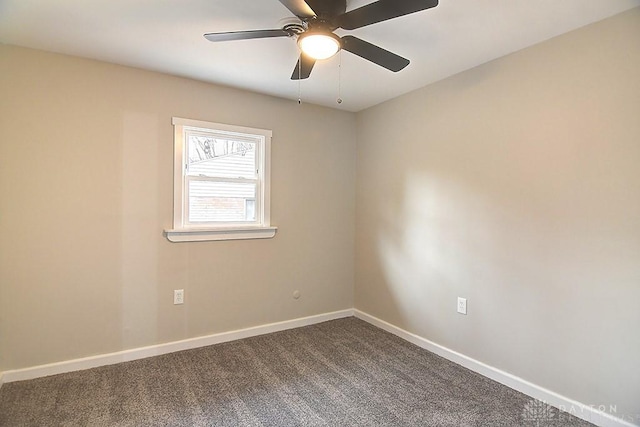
294, 29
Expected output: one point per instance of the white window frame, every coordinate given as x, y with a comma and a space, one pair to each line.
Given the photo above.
182, 230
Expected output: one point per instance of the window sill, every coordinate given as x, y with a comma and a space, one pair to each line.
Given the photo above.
211, 234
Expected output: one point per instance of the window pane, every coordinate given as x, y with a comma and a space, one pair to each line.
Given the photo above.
221, 201
219, 157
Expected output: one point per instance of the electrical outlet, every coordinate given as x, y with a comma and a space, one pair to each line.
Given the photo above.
462, 305
178, 296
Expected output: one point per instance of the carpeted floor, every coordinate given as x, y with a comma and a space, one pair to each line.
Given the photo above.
339, 373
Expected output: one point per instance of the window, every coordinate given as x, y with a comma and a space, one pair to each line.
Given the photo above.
221, 182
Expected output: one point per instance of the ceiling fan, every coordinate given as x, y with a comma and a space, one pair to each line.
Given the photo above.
318, 21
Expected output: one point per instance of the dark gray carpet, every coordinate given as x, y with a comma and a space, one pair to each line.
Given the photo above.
339, 373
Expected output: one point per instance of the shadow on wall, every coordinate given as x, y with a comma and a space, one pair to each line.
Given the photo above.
140, 257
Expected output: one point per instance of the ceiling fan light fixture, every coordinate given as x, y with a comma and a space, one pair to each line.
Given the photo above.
319, 45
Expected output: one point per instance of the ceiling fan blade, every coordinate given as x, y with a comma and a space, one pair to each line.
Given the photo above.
304, 71
374, 53
245, 35
382, 10
300, 8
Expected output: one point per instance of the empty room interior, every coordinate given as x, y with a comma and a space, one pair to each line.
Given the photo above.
438, 225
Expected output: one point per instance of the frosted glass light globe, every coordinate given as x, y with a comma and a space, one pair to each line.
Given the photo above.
319, 46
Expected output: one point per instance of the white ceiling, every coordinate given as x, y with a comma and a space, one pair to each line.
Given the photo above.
166, 36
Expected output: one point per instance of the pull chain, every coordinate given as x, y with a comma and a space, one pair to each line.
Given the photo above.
339, 100
300, 79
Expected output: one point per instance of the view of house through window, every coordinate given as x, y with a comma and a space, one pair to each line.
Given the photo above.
222, 178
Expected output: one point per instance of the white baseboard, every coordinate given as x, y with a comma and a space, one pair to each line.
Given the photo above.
585, 412
580, 410
156, 350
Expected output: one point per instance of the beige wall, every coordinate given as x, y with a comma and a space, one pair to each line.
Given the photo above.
515, 185
86, 191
